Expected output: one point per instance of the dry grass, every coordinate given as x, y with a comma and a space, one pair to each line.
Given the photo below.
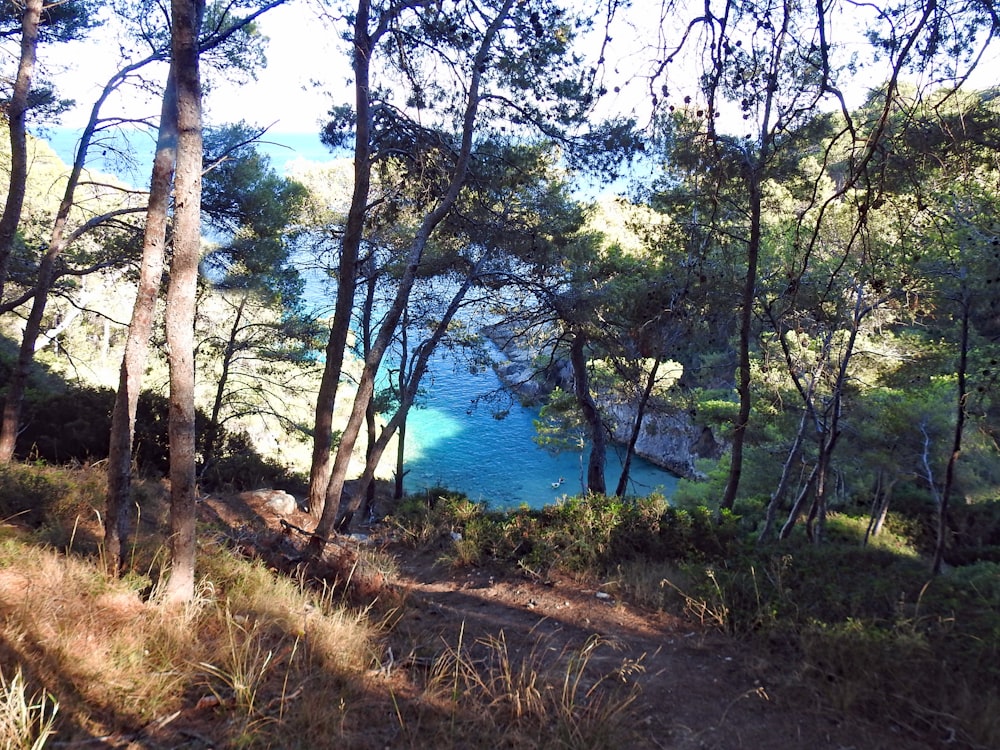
119, 664
25, 720
487, 695
260, 658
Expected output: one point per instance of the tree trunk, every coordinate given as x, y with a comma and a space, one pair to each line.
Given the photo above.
880, 506
33, 326
743, 387
808, 411
186, 17
210, 443
408, 394
404, 344
799, 503
816, 521
329, 517
956, 447
141, 327
636, 429
370, 416
58, 240
17, 109
320, 468
595, 425
778, 496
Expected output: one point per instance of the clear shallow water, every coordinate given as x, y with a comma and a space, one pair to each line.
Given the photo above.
452, 444
449, 443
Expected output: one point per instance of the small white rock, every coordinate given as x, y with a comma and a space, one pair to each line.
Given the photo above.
277, 501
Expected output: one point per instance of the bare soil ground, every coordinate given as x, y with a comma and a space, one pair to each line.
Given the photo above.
696, 687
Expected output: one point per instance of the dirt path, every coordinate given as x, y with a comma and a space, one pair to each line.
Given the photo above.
696, 688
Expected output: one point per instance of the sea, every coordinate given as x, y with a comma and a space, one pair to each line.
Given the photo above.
454, 439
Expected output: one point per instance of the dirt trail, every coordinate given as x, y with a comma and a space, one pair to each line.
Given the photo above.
697, 688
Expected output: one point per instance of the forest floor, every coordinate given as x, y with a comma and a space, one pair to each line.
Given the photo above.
694, 686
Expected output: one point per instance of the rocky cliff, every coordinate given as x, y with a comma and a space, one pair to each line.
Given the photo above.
668, 437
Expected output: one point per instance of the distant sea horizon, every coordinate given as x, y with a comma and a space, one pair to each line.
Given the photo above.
281, 148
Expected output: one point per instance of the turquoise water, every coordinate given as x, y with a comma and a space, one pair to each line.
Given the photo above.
449, 442
280, 148
452, 443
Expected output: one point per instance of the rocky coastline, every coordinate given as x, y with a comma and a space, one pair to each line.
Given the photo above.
668, 438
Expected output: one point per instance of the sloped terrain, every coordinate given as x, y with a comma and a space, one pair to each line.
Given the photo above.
676, 683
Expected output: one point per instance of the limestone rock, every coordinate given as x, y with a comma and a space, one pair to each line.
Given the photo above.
277, 501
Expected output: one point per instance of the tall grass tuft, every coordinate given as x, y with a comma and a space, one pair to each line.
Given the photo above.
26, 721
486, 695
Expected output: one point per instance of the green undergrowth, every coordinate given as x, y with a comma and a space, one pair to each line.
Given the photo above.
583, 535
864, 625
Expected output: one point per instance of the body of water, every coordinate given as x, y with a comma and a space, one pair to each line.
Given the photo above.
281, 149
451, 442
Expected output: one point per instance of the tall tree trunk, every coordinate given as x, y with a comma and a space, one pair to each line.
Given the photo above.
58, 241
595, 425
329, 517
404, 344
26, 354
186, 18
743, 387
880, 506
17, 110
408, 394
799, 504
370, 415
816, 521
956, 447
210, 443
320, 467
778, 496
808, 413
141, 327
640, 412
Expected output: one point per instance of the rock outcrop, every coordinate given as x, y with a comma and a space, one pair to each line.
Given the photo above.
668, 437
277, 501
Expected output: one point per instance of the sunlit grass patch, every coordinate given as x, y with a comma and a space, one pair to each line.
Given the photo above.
26, 720
486, 694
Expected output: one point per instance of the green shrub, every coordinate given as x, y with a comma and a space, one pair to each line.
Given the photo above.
74, 425
28, 493
240, 467
870, 630
974, 533
69, 425
581, 534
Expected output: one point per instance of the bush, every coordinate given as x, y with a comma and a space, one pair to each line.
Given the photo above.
28, 494
53, 501
975, 533
870, 631
239, 467
74, 425
579, 534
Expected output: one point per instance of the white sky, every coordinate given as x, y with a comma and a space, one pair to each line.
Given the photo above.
304, 49
301, 50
